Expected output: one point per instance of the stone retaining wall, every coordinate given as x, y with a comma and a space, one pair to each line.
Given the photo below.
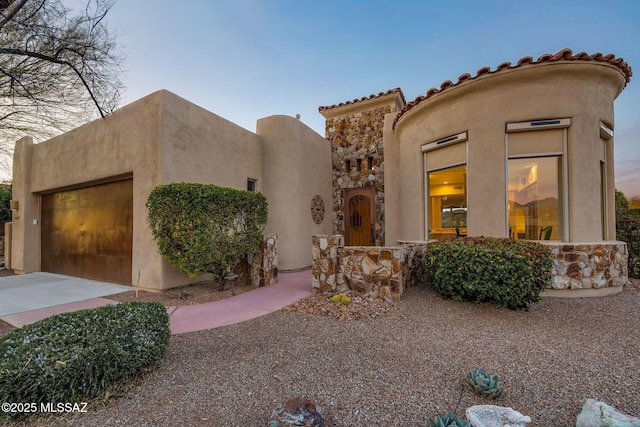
589, 265
368, 270
388, 271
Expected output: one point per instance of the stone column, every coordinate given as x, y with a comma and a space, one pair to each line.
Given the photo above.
264, 263
324, 250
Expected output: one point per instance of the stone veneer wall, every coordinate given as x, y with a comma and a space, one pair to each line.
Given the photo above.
356, 136
388, 271
589, 265
369, 270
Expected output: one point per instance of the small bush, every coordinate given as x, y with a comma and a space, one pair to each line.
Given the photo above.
628, 231
77, 356
341, 299
505, 272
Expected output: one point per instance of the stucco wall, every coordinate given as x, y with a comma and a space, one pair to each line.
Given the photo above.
296, 167
123, 144
580, 90
199, 146
163, 138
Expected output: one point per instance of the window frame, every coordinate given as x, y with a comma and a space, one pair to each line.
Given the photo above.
462, 137
532, 126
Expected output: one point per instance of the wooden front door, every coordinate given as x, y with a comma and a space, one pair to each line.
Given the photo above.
359, 215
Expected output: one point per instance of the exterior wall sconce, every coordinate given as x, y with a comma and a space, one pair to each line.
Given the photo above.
14, 205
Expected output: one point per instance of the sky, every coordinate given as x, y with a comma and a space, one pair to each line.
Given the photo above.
248, 59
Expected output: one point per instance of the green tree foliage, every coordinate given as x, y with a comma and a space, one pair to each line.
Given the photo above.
5, 204
203, 228
622, 204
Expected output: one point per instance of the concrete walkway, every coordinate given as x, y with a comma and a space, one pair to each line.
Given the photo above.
191, 318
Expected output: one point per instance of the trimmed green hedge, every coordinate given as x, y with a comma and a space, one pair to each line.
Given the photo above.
505, 272
74, 357
202, 228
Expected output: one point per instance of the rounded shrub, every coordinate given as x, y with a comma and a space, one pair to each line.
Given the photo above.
77, 356
341, 299
505, 272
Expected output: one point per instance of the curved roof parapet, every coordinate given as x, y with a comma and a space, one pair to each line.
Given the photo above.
563, 55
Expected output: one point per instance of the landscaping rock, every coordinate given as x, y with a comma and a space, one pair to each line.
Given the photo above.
495, 416
599, 414
297, 412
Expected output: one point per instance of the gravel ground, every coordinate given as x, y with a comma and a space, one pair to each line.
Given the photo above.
397, 369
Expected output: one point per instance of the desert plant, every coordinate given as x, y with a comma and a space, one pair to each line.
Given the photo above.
505, 272
483, 383
448, 420
203, 228
74, 357
341, 299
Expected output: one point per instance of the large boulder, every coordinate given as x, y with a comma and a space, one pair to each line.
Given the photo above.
297, 412
495, 416
599, 414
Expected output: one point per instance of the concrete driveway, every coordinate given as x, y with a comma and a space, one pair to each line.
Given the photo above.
33, 291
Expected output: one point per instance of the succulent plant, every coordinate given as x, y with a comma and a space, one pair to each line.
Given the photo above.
341, 299
484, 383
448, 420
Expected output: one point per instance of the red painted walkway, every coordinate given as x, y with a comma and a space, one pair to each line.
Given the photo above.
191, 318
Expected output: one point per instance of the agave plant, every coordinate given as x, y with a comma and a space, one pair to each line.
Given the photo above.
448, 420
484, 383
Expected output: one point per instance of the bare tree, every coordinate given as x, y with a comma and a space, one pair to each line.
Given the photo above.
58, 68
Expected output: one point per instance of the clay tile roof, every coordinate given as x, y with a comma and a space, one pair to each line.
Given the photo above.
563, 55
365, 98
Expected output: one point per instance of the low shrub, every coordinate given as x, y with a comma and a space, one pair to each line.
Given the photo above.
628, 231
77, 356
341, 299
505, 272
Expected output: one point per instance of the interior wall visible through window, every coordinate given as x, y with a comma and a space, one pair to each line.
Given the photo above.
535, 198
447, 202
535, 185
446, 187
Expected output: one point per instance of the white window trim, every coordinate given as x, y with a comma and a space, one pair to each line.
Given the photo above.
538, 125
605, 131
453, 139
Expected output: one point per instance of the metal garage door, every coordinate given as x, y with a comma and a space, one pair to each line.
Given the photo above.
88, 232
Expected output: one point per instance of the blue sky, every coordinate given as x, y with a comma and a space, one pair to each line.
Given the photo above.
248, 59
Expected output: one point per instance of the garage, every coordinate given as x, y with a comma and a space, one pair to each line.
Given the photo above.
88, 232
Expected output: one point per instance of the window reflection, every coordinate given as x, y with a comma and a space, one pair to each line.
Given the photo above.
448, 203
535, 198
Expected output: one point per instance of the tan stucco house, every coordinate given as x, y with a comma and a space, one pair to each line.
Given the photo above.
80, 197
523, 151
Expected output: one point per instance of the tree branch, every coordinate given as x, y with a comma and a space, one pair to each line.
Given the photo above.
13, 13
22, 52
